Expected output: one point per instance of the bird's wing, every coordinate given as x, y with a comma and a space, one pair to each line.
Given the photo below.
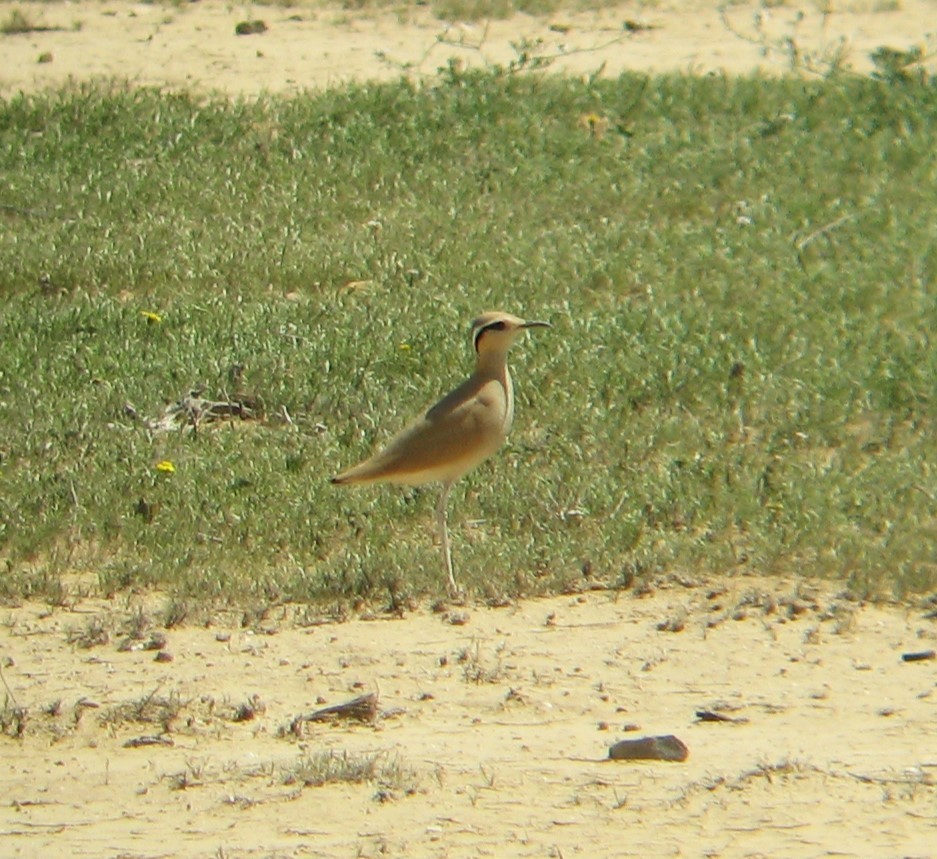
458, 432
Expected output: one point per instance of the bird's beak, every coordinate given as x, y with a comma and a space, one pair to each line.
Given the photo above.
534, 324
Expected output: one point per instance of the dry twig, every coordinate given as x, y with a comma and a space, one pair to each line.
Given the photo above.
360, 709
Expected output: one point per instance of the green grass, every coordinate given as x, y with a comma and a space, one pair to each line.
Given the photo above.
476, 10
740, 377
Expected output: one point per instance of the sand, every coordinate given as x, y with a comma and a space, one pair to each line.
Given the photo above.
493, 729
309, 47
494, 724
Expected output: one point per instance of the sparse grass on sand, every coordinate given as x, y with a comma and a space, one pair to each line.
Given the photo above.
740, 274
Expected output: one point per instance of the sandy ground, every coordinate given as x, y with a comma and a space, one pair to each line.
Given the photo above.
495, 722
493, 731
307, 46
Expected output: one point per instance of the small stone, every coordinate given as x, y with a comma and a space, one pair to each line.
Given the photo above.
919, 656
666, 748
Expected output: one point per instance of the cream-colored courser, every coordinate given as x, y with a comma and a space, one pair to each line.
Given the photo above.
461, 431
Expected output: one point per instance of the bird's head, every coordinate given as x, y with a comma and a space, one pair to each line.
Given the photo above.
494, 332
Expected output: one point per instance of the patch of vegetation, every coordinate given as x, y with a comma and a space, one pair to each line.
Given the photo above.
321, 768
740, 274
479, 10
13, 719
152, 709
896, 67
18, 22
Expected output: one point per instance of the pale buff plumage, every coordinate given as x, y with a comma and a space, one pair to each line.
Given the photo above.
458, 433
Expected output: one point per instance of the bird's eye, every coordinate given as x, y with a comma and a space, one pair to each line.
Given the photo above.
500, 325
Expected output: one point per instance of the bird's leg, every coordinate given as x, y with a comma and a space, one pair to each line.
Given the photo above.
444, 536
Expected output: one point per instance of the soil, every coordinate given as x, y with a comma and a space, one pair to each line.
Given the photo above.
300, 47
126, 735
808, 732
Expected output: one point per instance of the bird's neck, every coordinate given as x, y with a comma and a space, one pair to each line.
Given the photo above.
494, 367
491, 365
508, 401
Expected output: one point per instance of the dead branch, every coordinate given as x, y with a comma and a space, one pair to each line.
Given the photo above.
193, 411
360, 709
823, 231
530, 54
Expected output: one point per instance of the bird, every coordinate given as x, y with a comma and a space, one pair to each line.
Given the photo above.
459, 432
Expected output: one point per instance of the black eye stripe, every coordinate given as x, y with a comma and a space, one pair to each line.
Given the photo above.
500, 325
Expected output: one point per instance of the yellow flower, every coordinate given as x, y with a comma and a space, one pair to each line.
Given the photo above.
151, 317
595, 124
405, 347
166, 467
